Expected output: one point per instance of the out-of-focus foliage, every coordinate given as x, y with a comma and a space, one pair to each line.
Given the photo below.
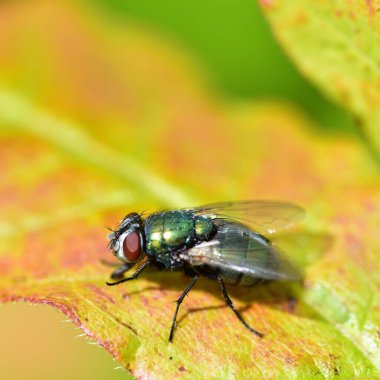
50, 349
107, 119
237, 49
336, 45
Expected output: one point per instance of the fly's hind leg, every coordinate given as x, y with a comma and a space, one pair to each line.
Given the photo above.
231, 305
179, 301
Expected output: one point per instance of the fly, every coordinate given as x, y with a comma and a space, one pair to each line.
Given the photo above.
225, 242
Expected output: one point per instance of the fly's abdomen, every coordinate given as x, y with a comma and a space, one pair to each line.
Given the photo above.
237, 278
171, 231
245, 249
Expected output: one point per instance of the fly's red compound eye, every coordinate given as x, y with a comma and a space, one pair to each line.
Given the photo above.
132, 247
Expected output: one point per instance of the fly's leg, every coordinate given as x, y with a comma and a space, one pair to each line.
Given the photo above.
179, 301
134, 275
118, 273
109, 263
231, 305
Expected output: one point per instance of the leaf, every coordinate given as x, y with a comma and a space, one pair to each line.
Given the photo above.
335, 44
106, 120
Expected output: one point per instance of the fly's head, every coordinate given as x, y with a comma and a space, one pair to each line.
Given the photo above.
127, 242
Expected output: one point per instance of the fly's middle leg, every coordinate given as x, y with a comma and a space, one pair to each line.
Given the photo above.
231, 305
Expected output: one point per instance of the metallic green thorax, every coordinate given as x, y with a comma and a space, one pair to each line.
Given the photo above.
167, 232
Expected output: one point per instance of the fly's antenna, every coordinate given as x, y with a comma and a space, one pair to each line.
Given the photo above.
111, 236
142, 213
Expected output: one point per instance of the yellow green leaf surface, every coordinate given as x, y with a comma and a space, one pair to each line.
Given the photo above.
336, 45
99, 119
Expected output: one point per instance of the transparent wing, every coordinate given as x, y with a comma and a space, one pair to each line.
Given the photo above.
263, 216
236, 248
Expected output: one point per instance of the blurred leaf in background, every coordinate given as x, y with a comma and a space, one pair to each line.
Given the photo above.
343, 59
100, 117
236, 48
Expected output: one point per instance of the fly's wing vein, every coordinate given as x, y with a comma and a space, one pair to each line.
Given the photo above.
263, 216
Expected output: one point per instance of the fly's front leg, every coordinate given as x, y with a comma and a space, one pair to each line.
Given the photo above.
231, 305
109, 263
121, 270
118, 273
179, 301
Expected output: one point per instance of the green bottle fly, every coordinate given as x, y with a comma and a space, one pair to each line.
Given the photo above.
226, 242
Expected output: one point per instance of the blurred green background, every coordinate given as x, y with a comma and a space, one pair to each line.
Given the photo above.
238, 57
234, 45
